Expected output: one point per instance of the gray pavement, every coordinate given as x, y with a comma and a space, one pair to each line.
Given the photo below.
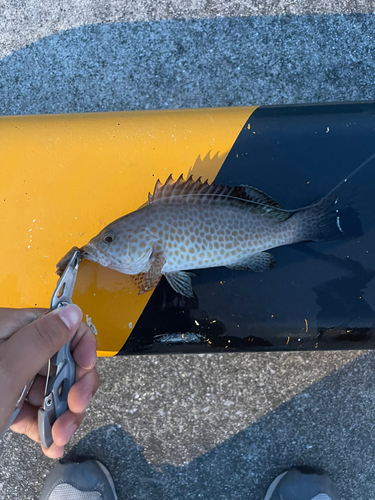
209, 426
193, 63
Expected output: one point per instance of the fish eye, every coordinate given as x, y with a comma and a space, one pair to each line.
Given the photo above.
109, 237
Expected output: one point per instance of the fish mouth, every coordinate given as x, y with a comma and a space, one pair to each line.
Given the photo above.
84, 253
90, 252
87, 252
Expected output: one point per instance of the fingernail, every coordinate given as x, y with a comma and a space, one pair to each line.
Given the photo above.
71, 315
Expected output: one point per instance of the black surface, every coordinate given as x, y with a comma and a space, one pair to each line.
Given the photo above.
316, 297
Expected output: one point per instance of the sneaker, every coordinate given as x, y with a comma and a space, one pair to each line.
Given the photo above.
88, 480
302, 483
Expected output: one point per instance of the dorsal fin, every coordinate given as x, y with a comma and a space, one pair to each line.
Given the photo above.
191, 191
257, 196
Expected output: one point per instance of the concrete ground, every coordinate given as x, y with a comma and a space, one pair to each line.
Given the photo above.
200, 426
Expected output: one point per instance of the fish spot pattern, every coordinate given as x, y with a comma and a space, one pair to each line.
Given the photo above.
194, 235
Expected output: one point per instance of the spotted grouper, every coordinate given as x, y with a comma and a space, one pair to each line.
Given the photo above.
193, 225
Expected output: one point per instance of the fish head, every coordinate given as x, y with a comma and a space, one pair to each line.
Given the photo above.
109, 248
120, 248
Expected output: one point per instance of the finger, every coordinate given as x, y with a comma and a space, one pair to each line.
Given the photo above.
27, 422
84, 347
26, 352
53, 451
12, 320
78, 399
45, 369
80, 394
36, 393
65, 426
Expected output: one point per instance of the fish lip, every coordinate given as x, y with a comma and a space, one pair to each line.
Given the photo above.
83, 253
90, 252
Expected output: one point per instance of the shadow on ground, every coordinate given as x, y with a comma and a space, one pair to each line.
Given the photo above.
316, 427
192, 63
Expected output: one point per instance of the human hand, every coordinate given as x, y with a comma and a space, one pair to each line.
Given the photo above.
25, 348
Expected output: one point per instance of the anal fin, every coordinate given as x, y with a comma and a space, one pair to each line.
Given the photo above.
181, 283
258, 263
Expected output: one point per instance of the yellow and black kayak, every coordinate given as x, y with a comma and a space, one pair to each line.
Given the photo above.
65, 177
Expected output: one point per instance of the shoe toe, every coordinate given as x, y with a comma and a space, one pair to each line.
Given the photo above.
88, 480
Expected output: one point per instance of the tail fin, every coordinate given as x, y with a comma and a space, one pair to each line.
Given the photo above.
318, 221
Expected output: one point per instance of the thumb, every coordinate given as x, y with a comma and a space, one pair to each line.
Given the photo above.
30, 348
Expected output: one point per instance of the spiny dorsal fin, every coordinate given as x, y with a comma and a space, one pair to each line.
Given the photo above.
257, 196
191, 191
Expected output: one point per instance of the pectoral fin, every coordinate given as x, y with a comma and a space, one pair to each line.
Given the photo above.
258, 263
181, 283
152, 277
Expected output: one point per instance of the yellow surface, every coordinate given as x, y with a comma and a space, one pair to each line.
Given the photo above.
64, 177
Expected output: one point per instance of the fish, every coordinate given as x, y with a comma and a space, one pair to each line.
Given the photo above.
189, 225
